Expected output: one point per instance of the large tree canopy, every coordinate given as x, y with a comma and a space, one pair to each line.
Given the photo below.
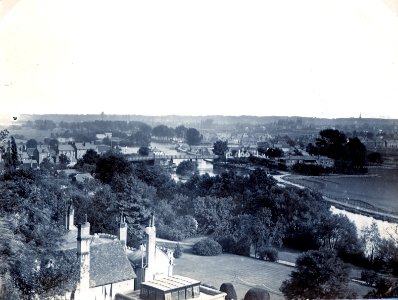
319, 275
220, 147
193, 137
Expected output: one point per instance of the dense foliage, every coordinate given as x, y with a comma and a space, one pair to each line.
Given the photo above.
186, 168
318, 275
349, 153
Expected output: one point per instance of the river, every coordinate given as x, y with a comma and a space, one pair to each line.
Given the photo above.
169, 149
386, 229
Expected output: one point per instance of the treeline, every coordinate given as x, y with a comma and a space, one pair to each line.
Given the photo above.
129, 133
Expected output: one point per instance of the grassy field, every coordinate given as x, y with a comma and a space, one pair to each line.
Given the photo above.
242, 272
31, 133
379, 187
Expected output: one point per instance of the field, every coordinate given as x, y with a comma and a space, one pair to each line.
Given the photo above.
379, 187
31, 133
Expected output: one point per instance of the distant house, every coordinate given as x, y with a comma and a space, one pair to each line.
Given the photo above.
42, 152
291, 160
63, 140
157, 152
101, 136
325, 161
28, 163
81, 177
101, 149
67, 150
82, 148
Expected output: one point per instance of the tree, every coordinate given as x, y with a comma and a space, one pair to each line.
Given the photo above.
11, 161
318, 274
181, 131
257, 294
375, 157
46, 164
193, 137
31, 143
186, 168
207, 247
88, 162
371, 240
356, 152
331, 143
163, 131
177, 251
111, 164
229, 289
337, 233
220, 148
64, 160
141, 138
274, 152
144, 151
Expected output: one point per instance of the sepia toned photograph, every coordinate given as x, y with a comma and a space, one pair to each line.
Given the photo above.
208, 150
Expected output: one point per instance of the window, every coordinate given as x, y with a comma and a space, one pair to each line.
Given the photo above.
181, 294
196, 291
189, 292
174, 295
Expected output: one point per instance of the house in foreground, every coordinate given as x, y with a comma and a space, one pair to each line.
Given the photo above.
108, 269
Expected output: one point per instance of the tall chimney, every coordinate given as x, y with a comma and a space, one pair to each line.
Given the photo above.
70, 223
150, 250
83, 254
122, 233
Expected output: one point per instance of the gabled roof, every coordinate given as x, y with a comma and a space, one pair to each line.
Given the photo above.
83, 176
85, 146
65, 147
30, 151
109, 264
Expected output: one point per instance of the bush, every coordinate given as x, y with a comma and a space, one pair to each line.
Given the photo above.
207, 247
231, 245
170, 233
268, 253
177, 251
227, 243
229, 289
370, 277
186, 168
257, 294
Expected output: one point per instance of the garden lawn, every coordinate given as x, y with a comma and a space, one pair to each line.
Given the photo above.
242, 272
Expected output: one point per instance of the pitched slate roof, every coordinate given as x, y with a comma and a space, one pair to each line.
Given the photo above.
85, 146
65, 147
109, 264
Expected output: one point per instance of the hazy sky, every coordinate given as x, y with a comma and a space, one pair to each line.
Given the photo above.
336, 58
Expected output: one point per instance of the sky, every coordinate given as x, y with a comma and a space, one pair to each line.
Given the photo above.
331, 58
